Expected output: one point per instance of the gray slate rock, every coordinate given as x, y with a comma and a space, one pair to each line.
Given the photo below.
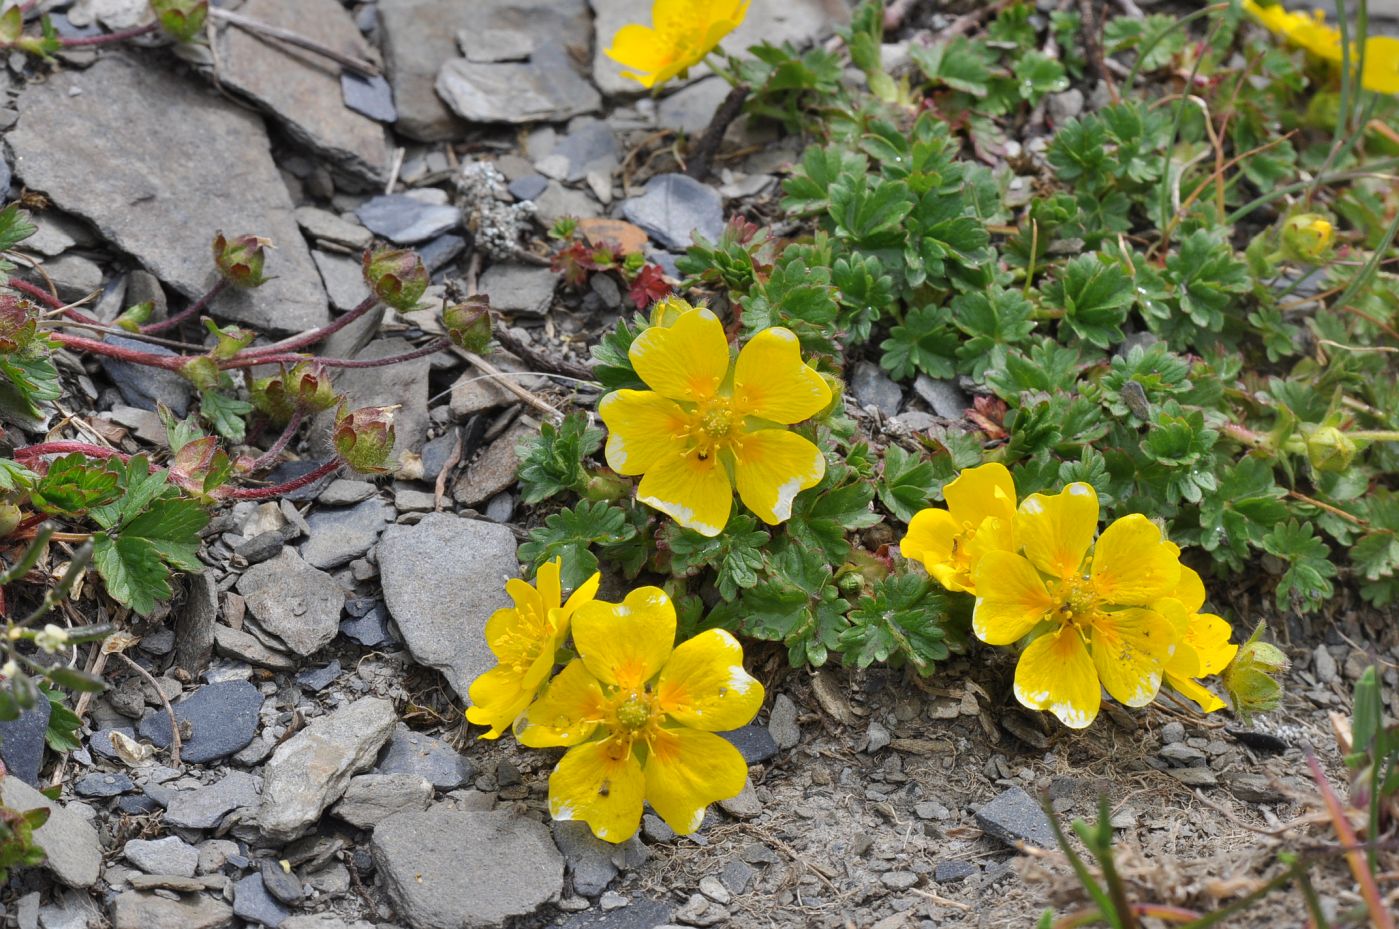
281, 884
311, 770
244, 646
638, 914
945, 397
421, 755
194, 622
441, 252
328, 227
297, 87
340, 536
589, 858
140, 910
216, 721
22, 742
374, 797
442, 579
445, 869
496, 469
101, 785
673, 207
252, 902
370, 629
947, 872
295, 602
92, 141
74, 853
343, 279
590, 146
517, 288
319, 678
545, 89
143, 386
169, 855
205, 807
528, 187
406, 220
70, 910
344, 492
371, 96
1013, 817
872, 387
782, 722
753, 741
101, 741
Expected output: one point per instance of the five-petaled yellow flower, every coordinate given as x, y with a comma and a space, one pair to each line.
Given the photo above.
1091, 605
1203, 647
979, 518
524, 639
639, 718
706, 425
681, 33
1309, 31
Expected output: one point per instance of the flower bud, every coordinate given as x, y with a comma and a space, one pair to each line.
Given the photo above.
269, 397
310, 389
1330, 449
468, 324
135, 316
1250, 678
364, 438
229, 340
1307, 237
182, 20
17, 324
666, 311
239, 260
201, 371
10, 516
397, 276
51, 639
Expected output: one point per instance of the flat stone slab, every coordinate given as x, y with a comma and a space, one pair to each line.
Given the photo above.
1013, 817
302, 89
442, 580
159, 165
544, 89
294, 601
74, 853
222, 720
446, 869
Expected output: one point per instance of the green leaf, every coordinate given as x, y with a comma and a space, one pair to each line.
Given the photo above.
798, 606
897, 623
1207, 277
1158, 32
225, 414
1036, 74
809, 190
552, 461
907, 483
993, 321
15, 476
612, 366
1306, 584
73, 485
925, 341
1247, 505
736, 554
960, 64
61, 734
822, 515
16, 224
570, 533
1095, 296
26, 382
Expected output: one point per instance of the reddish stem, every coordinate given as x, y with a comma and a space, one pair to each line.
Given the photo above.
262, 493
109, 37
269, 456
316, 335
51, 301
243, 361
195, 307
169, 362
67, 447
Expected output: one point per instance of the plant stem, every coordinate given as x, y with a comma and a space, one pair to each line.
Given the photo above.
108, 38
67, 447
195, 307
49, 300
307, 339
262, 493
245, 361
703, 154
169, 362
175, 741
269, 456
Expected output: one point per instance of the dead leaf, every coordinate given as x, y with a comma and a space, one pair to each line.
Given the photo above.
132, 753
828, 693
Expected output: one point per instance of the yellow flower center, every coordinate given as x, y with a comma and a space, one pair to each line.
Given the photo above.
1078, 601
522, 644
634, 712
713, 426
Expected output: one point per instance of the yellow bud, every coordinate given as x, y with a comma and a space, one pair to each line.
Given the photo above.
1307, 237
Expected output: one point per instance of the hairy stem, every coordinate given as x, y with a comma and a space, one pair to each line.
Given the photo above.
307, 339
245, 361
194, 308
262, 493
269, 456
110, 37
49, 300
169, 362
67, 447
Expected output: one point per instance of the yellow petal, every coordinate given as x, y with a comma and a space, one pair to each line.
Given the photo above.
704, 686
1056, 529
1011, 599
636, 46
497, 697
1185, 660
1130, 650
602, 784
687, 770
1055, 673
1203, 697
585, 592
771, 467
499, 632
984, 492
642, 428
1190, 590
694, 492
1133, 564
546, 581
772, 382
687, 361
626, 644
931, 539
568, 713
1209, 635
1381, 73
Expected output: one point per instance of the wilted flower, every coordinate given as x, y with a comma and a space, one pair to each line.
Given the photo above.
397, 276
468, 323
182, 20
17, 324
364, 438
240, 259
681, 33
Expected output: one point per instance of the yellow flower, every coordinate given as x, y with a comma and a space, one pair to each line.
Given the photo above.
1309, 31
639, 719
681, 34
524, 639
1091, 609
1203, 647
706, 425
979, 518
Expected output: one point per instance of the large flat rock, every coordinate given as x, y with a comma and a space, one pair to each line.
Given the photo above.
74, 853
302, 89
795, 21
159, 164
443, 578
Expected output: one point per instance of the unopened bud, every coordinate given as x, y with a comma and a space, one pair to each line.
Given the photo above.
10, 516
364, 438
17, 324
229, 340
240, 259
1330, 449
202, 371
51, 639
182, 20
135, 316
310, 389
666, 311
397, 276
468, 324
1307, 237
1251, 678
